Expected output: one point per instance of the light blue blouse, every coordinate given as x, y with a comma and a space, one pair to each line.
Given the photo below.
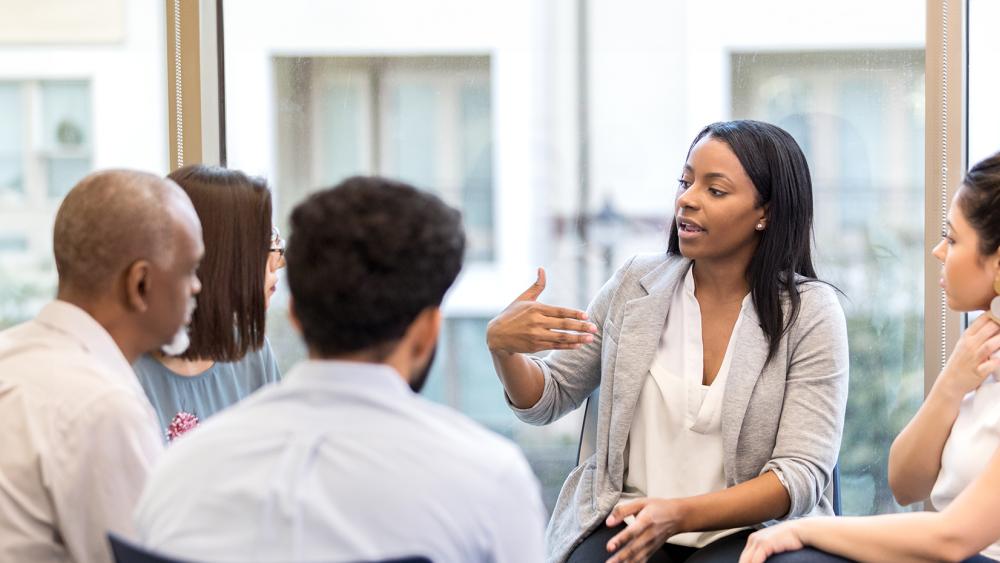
177, 397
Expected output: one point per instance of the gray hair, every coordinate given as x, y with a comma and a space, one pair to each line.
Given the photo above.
109, 220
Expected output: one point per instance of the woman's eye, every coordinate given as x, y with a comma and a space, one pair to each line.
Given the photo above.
683, 184
716, 193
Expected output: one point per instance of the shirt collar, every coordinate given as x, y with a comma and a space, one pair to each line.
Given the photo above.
92, 338
338, 373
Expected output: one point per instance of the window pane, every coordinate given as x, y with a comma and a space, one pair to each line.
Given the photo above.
485, 107
66, 119
859, 118
64, 173
65, 111
11, 140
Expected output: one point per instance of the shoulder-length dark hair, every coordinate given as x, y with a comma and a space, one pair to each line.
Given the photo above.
778, 169
235, 214
980, 201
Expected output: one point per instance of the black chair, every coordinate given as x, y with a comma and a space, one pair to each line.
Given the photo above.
588, 443
128, 552
125, 551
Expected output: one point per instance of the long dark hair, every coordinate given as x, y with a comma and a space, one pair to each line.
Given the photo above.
980, 201
779, 171
235, 213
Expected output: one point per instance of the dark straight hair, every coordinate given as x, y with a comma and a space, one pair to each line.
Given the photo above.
778, 169
980, 201
235, 214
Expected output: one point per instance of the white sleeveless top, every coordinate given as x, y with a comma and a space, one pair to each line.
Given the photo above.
974, 439
675, 441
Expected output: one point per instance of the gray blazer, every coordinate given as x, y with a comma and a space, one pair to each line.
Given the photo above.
786, 416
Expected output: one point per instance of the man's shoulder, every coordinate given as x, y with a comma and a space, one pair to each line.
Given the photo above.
467, 439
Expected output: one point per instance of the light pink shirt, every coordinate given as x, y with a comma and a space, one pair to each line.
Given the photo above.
77, 438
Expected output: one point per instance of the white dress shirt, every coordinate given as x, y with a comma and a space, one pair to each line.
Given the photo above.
675, 441
77, 441
973, 441
341, 461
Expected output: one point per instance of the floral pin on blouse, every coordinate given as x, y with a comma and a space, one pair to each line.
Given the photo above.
182, 423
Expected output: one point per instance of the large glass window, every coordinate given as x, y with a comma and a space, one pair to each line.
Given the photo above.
859, 118
561, 139
424, 120
79, 90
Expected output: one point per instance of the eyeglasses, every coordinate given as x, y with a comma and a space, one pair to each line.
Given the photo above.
277, 243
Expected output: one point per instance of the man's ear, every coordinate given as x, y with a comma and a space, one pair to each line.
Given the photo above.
425, 330
137, 285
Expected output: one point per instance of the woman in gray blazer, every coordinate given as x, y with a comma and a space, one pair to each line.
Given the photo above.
722, 366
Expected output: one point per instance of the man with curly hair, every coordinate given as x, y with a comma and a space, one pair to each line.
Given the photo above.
343, 460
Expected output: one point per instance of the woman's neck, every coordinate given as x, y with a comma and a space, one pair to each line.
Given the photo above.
721, 281
180, 366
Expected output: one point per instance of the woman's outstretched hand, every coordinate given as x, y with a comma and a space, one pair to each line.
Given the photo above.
527, 326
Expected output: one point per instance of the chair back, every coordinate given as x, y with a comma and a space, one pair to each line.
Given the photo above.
125, 551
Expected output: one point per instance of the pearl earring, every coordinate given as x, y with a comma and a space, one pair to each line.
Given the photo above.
760, 226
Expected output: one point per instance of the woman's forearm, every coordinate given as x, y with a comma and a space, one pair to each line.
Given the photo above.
758, 500
915, 455
521, 377
908, 537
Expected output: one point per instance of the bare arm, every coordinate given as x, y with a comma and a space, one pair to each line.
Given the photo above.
966, 527
915, 456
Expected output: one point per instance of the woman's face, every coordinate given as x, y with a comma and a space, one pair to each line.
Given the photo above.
275, 262
716, 213
966, 276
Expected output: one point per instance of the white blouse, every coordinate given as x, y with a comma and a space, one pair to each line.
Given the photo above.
974, 439
675, 441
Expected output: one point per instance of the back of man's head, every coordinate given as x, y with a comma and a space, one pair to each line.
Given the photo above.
108, 220
365, 258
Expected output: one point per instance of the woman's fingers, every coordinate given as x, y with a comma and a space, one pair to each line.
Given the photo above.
637, 549
555, 337
624, 537
991, 366
574, 325
535, 289
989, 348
561, 312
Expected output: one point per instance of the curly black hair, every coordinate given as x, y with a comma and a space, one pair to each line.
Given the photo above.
365, 258
980, 200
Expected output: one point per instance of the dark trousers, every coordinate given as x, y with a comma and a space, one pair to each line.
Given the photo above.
723, 550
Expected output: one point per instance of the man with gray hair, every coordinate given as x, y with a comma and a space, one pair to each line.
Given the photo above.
78, 435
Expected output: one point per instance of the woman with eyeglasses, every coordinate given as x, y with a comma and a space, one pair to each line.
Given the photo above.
227, 356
